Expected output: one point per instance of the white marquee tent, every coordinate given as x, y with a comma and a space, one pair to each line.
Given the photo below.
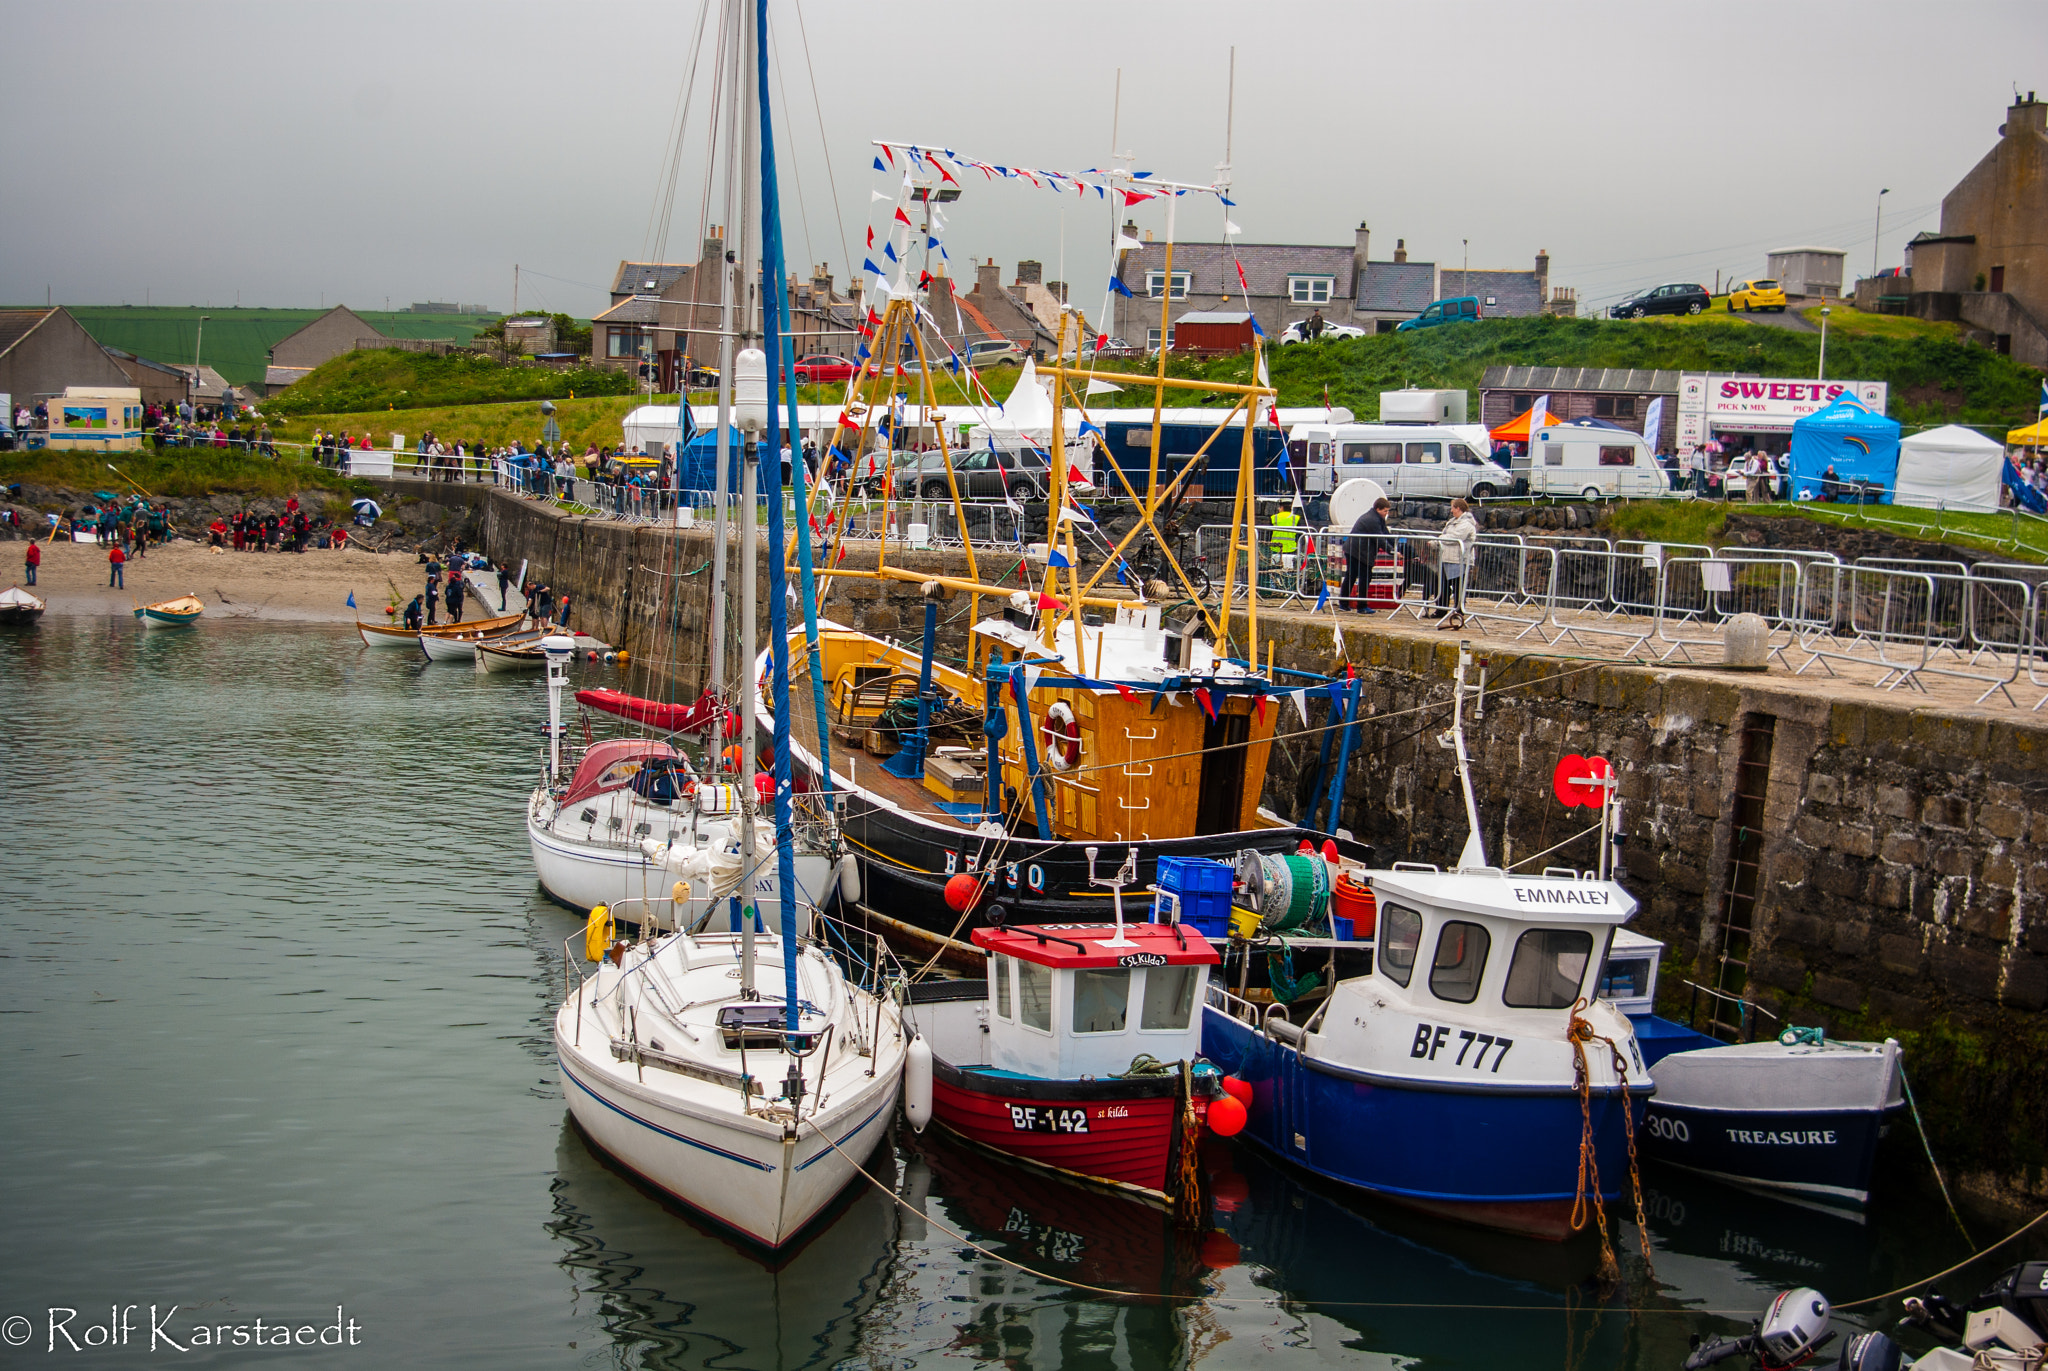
1950, 468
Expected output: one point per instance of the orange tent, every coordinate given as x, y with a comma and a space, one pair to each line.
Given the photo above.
1516, 430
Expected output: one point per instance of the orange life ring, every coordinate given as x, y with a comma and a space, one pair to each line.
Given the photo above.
1061, 736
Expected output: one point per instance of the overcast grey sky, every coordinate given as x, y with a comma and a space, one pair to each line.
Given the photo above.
298, 153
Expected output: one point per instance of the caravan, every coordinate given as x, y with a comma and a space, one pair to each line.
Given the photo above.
1592, 460
1425, 461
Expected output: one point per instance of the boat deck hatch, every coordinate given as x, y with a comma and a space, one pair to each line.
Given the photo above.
758, 1025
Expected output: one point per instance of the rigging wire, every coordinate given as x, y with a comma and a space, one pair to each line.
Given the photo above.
674, 152
824, 144
796, 174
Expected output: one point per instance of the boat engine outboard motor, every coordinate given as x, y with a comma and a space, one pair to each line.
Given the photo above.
1791, 1331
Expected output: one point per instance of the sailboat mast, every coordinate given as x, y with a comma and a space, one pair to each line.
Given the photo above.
721, 541
749, 482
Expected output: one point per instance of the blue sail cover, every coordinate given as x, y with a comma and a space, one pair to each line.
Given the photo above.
699, 469
1859, 445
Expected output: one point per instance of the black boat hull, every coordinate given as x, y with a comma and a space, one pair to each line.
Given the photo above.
1824, 1154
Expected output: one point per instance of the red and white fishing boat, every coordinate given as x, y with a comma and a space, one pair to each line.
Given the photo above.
1080, 1054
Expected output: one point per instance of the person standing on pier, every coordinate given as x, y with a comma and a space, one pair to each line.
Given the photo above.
33, 559
1456, 544
1359, 553
454, 598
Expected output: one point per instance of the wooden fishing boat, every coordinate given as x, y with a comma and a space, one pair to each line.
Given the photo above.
178, 613
523, 651
18, 607
461, 647
1078, 1056
397, 635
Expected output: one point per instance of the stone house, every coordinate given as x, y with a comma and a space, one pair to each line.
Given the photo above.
44, 350
337, 331
1987, 265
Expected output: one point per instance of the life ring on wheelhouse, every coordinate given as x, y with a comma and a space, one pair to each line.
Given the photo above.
1061, 736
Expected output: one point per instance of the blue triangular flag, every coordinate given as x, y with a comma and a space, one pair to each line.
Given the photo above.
1120, 288
1227, 200
930, 242
879, 166
1087, 428
867, 264
1057, 558
863, 354
351, 599
1323, 600
1255, 327
889, 251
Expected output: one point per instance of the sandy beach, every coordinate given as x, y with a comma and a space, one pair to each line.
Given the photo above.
312, 586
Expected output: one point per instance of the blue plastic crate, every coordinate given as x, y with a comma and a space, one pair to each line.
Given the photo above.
1197, 891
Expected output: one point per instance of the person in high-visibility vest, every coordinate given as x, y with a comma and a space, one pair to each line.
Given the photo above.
1284, 536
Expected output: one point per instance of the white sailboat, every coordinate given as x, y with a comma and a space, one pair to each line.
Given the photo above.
746, 1077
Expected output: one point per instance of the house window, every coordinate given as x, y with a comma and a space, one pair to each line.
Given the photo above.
624, 342
1309, 290
1152, 339
1155, 284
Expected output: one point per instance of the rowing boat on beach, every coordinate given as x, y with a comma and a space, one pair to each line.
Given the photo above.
19, 607
395, 635
178, 613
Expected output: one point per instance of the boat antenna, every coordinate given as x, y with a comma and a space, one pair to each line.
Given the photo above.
1474, 855
1125, 875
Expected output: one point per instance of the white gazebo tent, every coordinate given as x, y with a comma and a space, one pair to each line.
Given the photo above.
1950, 468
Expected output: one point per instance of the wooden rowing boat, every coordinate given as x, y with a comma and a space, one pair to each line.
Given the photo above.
393, 635
18, 606
177, 613
523, 652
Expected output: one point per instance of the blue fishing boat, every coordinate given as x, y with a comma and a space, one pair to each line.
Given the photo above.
178, 613
1471, 1071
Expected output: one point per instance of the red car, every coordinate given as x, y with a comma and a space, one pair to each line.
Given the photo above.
822, 369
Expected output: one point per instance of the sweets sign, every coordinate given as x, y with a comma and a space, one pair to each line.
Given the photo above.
1742, 403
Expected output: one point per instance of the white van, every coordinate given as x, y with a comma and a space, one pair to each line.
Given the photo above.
1590, 462
1427, 461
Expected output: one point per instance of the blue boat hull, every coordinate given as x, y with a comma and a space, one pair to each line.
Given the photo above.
1500, 1160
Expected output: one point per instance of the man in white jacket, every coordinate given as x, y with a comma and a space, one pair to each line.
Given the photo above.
1455, 547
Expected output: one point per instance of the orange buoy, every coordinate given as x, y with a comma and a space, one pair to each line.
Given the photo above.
1227, 1116
961, 892
1239, 1090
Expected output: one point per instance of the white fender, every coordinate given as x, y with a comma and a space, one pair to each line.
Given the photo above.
849, 879
917, 1084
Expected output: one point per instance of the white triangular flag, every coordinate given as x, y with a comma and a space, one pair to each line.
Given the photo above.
1230, 229
1300, 698
1031, 675
1101, 387
1126, 243
1264, 381
874, 195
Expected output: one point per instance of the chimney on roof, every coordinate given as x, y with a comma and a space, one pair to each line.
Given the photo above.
2025, 114
714, 245
1542, 275
1058, 289
1148, 235
1400, 249
1030, 273
1361, 249
821, 282
988, 278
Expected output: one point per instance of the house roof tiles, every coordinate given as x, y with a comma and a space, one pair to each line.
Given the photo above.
1618, 380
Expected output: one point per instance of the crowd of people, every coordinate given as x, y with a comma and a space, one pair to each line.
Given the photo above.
290, 531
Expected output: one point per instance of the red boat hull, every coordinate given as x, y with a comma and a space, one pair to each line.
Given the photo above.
1125, 1133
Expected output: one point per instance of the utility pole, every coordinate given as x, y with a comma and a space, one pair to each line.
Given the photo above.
1878, 235
1822, 374
515, 288
1465, 272
196, 344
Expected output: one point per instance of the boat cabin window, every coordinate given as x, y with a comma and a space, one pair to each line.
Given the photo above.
1400, 934
1102, 1000
1034, 995
1169, 997
1548, 966
1460, 961
1626, 979
999, 976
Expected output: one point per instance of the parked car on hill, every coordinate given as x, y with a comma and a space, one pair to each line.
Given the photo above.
1686, 298
1458, 309
990, 352
1755, 295
1293, 333
822, 369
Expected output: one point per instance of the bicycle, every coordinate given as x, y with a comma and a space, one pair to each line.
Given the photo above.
1151, 566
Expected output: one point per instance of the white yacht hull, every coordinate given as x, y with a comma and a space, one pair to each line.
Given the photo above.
745, 1173
582, 871
440, 649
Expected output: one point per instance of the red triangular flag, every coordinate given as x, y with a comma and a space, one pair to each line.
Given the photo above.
901, 215
889, 154
1049, 602
1259, 707
871, 235
1125, 691
1202, 699
1074, 475
1234, 262
1101, 341
944, 174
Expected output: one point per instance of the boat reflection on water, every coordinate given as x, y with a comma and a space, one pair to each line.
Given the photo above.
671, 1292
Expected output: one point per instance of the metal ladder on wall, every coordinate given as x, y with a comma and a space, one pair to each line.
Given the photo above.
1728, 1015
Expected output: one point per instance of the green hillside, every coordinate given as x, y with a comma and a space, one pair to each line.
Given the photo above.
386, 378
237, 340
1934, 377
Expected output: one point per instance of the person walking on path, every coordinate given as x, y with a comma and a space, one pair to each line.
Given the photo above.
1456, 543
115, 559
1362, 551
33, 558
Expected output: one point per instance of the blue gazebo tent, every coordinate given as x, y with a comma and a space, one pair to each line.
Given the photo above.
699, 468
1859, 445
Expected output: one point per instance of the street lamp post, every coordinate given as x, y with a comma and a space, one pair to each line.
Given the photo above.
1879, 234
196, 343
1823, 374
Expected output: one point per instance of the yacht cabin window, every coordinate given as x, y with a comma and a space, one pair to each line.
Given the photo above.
999, 972
1548, 966
1400, 934
1625, 978
1460, 961
1169, 998
1034, 995
1102, 1000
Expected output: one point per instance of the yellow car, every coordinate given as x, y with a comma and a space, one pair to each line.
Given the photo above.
1756, 295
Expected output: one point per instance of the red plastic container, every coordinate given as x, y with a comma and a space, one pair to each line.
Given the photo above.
1353, 901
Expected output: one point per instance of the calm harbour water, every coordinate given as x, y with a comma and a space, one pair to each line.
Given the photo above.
275, 985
